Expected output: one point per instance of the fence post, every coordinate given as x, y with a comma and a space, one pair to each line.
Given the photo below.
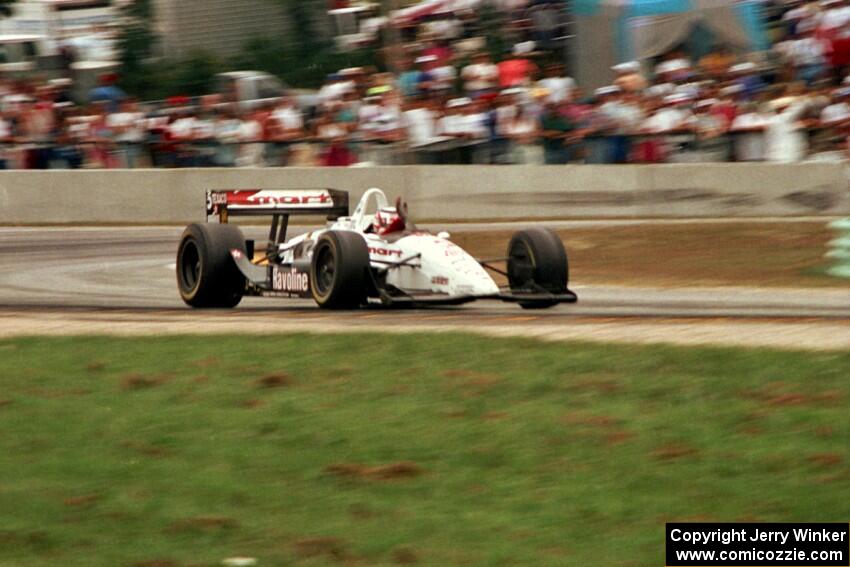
840, 249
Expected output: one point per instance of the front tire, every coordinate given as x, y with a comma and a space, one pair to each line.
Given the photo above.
207, 276
537, 263
339, 271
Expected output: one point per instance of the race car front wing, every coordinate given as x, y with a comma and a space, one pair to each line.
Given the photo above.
426, 298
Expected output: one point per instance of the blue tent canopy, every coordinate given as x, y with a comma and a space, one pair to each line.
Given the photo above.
617, 30
634, 7
749, 13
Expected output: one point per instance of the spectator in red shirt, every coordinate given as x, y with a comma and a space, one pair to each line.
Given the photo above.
437, 48
516, 71
725, 109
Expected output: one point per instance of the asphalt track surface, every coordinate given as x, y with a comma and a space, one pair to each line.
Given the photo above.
127, 274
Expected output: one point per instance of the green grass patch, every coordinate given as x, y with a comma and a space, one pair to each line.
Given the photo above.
428, 449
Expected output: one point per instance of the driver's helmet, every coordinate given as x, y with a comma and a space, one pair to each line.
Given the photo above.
388, 220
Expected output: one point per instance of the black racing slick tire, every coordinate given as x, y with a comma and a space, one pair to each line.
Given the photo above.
207, 276
537, 263
339, 271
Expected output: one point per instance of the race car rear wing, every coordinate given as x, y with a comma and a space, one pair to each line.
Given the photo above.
274, 202
280, 205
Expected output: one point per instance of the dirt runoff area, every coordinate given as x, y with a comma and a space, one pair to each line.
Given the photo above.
756, 254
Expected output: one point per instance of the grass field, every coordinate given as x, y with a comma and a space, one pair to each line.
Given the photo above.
384, 450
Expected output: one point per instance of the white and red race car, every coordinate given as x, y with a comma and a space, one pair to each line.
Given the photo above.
375, 255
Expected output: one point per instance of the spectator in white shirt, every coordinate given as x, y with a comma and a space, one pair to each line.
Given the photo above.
707, 124
620, 110
834, 17
128, 131
442, 77
749, 133
227, 128
204, 150
523, 129
329, 130
506, 108
368, 110
183, 126
801, 14
629, 78
480, 77
251, 137
5, 136
420, 119
786, 139
463, 120
673, 70
806, 53
558, 84
447, 28
334, 88
204, 127
838, 112
674, 116
284, 125
385, 122
287, 120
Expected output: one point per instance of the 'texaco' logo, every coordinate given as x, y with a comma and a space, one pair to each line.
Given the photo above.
291, 281
218, 198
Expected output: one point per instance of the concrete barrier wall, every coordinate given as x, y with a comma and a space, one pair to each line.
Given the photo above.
444, 192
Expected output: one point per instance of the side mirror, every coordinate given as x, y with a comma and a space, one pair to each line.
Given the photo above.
401, 208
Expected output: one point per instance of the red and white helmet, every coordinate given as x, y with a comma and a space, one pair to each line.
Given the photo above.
388, 220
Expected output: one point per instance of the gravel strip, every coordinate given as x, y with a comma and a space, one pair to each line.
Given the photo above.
803, 335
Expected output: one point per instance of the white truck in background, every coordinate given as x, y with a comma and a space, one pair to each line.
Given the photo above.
249, 89
252, 89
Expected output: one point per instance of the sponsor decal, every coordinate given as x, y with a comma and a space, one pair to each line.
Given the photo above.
453, 250
214, 202
290, 280
440, 280
277, 199
386, 252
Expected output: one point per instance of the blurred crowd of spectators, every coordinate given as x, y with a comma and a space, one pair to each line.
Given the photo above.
448, 100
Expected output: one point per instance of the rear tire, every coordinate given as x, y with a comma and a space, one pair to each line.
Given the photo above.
207, 276
339, 271
537, 262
